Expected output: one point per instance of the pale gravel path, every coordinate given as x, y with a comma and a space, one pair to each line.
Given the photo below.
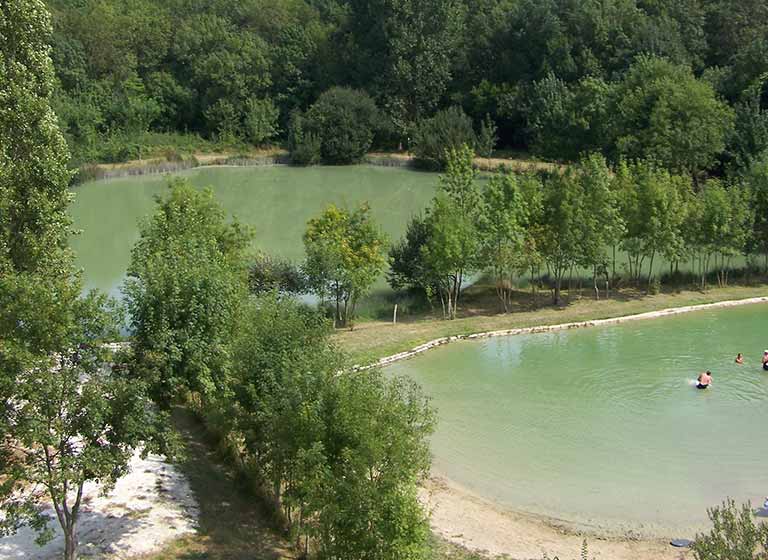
149, 507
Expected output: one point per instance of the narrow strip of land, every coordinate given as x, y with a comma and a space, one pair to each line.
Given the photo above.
370, 341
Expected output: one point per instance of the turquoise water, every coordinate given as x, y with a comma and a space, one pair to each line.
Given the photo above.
601, 426
277, 201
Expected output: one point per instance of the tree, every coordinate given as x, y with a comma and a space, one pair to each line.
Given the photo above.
69, 419
663, 112
757, 182
487, 138
734, 535
406, 267
561, 242
260, 123
345, 256
345, 469
651, 201
345, 120
268, 273
501, 229
567, 121
406, 48
451, 251
185, 284
602, 224
449, 129
33, 154
65, 419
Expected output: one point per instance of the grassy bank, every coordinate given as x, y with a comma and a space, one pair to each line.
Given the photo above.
372, 340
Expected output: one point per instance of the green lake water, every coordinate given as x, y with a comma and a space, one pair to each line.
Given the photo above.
277, 201
601, 427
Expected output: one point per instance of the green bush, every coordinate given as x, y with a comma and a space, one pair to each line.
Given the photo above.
345, 120
260, 122
734, 535
449, 129
303, 143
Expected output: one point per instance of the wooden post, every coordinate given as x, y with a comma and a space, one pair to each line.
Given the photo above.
394, 316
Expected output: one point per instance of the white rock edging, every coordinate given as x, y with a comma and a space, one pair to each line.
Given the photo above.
387, 360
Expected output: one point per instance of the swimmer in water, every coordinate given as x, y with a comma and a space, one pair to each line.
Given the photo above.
739, 359
704, 380
765, 360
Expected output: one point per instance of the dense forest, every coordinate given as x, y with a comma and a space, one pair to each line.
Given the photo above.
681, 81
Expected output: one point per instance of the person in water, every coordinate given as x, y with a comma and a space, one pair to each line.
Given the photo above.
765, 360
704, 380
739, 359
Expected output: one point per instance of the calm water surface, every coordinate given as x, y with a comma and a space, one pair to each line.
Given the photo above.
277, 201
601, 426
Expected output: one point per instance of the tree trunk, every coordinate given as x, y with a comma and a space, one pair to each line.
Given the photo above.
556, 298
70, 543
650, 271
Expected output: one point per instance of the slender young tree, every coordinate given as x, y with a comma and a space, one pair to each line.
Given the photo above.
345, 256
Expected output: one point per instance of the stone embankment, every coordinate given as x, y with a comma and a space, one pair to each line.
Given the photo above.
560, 327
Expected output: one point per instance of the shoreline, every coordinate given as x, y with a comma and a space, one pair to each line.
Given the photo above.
267, 158
667, 312
479, 525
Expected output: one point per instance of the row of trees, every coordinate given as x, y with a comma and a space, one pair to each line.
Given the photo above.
646, 73
575, 221
340, 454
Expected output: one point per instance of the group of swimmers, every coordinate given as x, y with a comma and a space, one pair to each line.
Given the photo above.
705, 379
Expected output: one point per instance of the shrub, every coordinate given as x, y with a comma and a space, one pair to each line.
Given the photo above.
734, 535
345, 120
260, 123
449, 129
268, 273
303, 143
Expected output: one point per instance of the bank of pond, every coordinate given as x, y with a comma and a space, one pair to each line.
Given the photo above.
603, 427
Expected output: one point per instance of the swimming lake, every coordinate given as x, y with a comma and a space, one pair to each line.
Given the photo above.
601, 427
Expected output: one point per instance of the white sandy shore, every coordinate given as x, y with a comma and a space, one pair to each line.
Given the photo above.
479, 525
148, 508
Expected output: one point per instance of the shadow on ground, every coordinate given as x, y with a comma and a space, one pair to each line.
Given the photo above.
233, 522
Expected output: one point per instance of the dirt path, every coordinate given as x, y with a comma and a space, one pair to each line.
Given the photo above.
232, 523
480, 526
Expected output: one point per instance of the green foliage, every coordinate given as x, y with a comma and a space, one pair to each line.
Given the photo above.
93, 416
452, 247
345, 256
502, 232
544, 71
449, 129
665, 113
186, 279
33, 153
260, 124
344, 119
268, 273
487, 137
66, 417
568, 120
735, 535
303, 144
406, 268
345, 468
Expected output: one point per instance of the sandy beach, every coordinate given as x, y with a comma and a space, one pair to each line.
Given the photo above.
479, 525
